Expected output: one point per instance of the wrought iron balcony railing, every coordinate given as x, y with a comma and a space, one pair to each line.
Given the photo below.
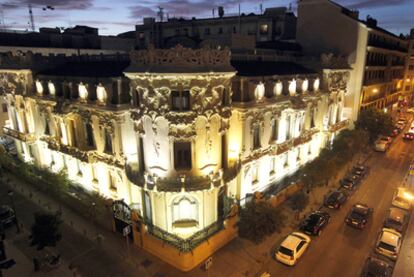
185, 245
25, 137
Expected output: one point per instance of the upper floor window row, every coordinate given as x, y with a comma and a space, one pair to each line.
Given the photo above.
113, 93
258, 92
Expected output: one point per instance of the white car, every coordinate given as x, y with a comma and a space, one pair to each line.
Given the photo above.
292, 248
389, 243
382, 144
400, 199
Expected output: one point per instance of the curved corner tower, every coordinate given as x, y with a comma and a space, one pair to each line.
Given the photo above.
181, 116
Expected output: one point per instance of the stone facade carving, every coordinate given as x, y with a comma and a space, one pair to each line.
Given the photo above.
329, 60
180, 56
180, 133
336, 80
12, 83
94, 157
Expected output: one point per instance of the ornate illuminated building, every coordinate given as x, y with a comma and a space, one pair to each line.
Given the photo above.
176, 134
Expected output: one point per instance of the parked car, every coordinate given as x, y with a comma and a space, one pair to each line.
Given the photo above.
396, 219
375, 267
400, 199
408, 136
382, 144
401, 124
359, 215
395, 132
389, 243
350, 181
292, 248
360, 170
410, 110
315, 222
335, 200
7, 215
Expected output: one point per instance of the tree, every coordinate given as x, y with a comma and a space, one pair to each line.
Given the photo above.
375, 122
45, 230
258, 220
299, 201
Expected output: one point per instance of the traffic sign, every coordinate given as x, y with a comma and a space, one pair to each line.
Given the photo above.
126, 230
208, 263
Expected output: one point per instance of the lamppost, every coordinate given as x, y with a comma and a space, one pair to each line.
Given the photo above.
11, 194
94, 220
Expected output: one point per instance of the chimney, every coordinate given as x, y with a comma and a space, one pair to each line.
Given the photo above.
221, 11
371, 22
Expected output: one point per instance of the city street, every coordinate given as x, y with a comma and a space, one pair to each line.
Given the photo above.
342, 250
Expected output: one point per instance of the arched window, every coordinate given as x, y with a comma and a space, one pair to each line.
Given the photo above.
185, 211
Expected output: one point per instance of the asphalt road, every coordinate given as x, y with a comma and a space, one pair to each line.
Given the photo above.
341, 250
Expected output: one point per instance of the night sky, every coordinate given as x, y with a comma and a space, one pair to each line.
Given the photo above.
116, 16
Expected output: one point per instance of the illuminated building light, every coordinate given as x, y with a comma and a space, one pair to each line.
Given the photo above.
292, 87
278, 88
316, 84
305, 85
52, 89
39, 87
83, 92
375, 90
101, 94
259, 92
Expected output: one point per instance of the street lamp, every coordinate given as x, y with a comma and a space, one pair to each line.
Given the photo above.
11, 194
94, 220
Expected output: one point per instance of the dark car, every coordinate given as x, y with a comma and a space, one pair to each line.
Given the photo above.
315, 222
350, 181
7, 215
360, 170
376, 268
335, 200
396, 219
358, 216
395, 132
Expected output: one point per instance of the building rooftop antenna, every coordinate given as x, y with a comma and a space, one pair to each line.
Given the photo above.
160, 13
2, 23
32, 24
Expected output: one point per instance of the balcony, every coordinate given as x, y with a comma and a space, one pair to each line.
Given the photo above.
75, 152
95, 156
88, 156
25, 137
173, 184
304, 137
339, 126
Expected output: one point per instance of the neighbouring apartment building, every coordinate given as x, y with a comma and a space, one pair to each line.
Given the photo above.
79, 40
175, 136
377, 57
234, 31
409, 73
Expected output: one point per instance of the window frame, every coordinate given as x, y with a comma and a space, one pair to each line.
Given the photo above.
182, 155
183, 98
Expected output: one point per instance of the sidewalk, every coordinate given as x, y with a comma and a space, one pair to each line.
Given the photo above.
107, 258
24, 266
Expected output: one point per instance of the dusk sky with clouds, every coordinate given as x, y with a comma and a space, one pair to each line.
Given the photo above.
116, 16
